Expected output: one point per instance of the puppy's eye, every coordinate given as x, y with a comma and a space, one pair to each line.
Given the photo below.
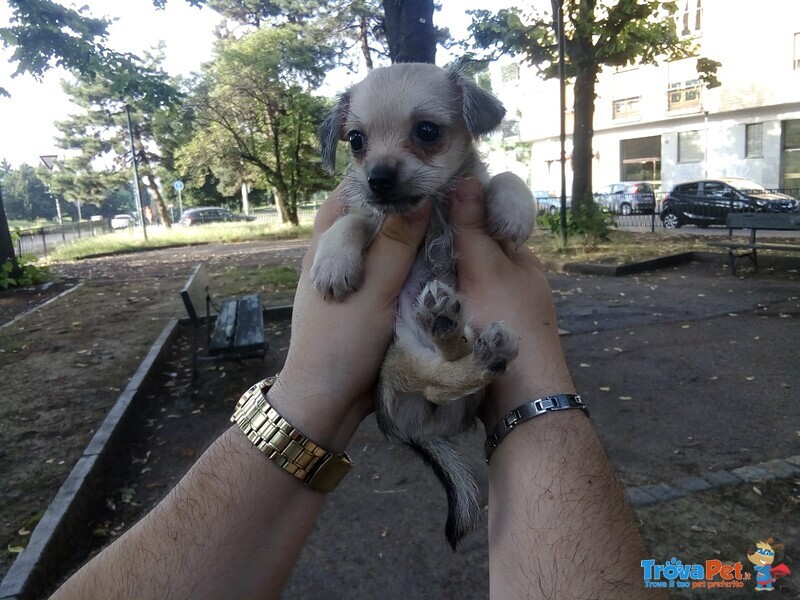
356, 141
428, 132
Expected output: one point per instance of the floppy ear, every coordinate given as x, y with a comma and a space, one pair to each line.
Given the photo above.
330, 132
482, 111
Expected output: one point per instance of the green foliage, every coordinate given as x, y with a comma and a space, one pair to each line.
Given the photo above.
587, 221
25, 195
26, 275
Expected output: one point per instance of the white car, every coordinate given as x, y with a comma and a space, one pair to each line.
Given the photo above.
122, 221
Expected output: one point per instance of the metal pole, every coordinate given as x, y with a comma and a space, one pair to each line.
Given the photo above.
563, 105
180, 205
137, 192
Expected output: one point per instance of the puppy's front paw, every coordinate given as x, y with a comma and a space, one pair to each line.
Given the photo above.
496, 348
438, 311
510, 209
336, 276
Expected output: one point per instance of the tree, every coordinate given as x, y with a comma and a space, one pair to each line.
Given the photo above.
101, 130
598, 33
409, 30
26, 196
256, 117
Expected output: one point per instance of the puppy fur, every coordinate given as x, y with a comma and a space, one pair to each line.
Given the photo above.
411, 129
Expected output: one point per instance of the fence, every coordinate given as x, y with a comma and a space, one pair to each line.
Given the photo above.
42, 240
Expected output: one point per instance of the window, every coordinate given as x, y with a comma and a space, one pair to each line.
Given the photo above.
640, 159
692, 17
626, 109
715, 189
754, 140
796, 58
683, 95
689, 148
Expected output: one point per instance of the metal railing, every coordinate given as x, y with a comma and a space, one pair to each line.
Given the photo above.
41, 240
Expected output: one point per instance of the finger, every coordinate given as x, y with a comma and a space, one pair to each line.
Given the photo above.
467, 208
391, 255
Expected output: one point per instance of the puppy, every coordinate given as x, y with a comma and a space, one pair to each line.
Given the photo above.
411, 129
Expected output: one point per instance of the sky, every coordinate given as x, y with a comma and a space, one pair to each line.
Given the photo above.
27, 117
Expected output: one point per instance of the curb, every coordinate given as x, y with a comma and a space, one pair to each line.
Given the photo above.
31, 574
778, 468
40, 306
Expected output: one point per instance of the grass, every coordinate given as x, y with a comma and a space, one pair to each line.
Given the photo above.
269, 281
132, 240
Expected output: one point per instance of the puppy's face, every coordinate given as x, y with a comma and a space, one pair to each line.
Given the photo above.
410, 129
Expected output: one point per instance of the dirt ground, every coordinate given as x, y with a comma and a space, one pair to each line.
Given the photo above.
63, 366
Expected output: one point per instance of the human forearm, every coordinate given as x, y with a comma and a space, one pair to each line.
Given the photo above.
559, 526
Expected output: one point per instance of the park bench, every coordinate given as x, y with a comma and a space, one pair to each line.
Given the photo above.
237, 330
754, 222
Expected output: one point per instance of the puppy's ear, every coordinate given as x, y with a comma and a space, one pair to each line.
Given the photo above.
482, 111
331, 131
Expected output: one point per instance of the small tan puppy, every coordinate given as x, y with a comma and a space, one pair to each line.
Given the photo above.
411, 129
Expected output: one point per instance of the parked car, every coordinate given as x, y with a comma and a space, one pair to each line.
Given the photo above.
547, 202
122, 221
210, 214
709, 201
627, 198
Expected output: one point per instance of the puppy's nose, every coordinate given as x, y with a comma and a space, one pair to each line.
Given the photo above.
381, 179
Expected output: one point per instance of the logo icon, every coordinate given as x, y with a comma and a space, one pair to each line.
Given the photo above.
762, 555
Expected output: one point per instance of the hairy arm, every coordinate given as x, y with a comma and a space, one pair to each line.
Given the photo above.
559, 524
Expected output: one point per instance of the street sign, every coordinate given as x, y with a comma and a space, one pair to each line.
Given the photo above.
178, 185
49, 161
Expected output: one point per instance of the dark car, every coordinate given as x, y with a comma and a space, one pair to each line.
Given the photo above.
210, 214
627, 198
708, 202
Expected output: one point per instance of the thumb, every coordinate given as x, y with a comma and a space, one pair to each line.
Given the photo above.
467, 207
390, 256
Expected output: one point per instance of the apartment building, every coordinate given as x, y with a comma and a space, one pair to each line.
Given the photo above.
658, 123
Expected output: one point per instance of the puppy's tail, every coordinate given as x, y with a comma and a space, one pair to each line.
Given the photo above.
455, 475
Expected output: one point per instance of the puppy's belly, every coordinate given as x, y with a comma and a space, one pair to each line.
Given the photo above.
414, 416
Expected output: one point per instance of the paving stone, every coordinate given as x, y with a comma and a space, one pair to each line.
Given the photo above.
692, 484
638, 497
752, 474
719, 479
780, 468
663, 492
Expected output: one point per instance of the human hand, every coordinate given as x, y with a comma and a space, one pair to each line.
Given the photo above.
337, 348
498, 282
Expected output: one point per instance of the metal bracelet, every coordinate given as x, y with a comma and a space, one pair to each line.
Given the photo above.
528, 411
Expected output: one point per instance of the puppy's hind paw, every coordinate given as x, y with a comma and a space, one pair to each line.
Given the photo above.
438, 311
496, 348
337, 276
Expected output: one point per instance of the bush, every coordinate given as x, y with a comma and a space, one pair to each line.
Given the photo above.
587, 221
27, 273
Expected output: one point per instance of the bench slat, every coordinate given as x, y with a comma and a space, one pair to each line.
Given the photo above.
774, 221
194, 293
225, 327
250, 324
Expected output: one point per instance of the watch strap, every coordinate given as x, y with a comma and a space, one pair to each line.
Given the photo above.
526, 412
286, 445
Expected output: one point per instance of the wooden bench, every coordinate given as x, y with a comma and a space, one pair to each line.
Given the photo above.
755, 222
237, 331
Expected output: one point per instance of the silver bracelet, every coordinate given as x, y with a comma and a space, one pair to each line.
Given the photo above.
528, 411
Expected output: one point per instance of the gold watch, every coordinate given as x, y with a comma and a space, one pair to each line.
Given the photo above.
286, 446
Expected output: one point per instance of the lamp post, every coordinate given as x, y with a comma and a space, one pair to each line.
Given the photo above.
562, 96
49, 161
136, 190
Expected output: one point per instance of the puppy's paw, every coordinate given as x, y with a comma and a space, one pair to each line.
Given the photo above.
336, 276
510, 209
496, 348
438, 311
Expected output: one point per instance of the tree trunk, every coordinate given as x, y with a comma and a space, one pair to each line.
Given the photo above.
363, 36
583, 132
409, 30
287, 213
6, 245
147, 171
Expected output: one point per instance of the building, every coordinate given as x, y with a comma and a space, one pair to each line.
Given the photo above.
658, 123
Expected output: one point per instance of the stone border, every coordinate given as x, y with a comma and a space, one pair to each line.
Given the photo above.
51, 539
777, 468
40, 306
